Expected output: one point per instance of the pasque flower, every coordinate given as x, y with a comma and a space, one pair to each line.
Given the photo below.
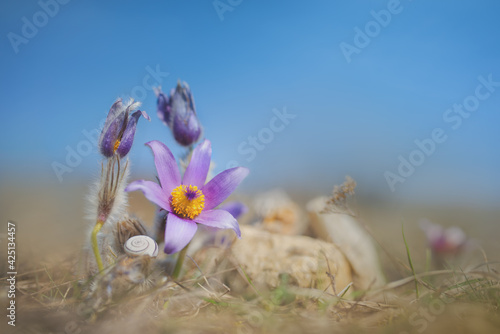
178, 112
188, 200
443, 241
236, 209
117, 135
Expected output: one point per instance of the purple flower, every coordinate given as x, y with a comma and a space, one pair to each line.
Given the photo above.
179, 114
163, 107
443, 241
117, 135
236, 209
188, 200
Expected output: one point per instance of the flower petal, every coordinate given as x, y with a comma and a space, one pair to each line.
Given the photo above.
166, 166
235, 208
186, 129
115, 110
218, 219
152, 191
109, 137
163, 108
197, 170
184, 124
188, 97
128, 135
222, 185
178, 233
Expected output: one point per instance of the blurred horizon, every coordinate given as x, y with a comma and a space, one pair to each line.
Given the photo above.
353, 115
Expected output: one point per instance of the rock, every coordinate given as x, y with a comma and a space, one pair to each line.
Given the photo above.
277, 213
265, 257
354, 242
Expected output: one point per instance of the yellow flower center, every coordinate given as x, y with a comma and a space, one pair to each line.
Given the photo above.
187, 201
115, 147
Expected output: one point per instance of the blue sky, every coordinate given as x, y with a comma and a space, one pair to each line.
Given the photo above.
352, 117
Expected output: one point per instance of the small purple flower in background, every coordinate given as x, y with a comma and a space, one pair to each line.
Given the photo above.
178, 112
444, 241
236, 209
117, 135
188, 200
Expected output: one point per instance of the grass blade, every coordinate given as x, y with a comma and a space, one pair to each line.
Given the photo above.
410, 262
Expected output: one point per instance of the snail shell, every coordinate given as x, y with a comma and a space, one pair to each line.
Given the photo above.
127, 228
141, 245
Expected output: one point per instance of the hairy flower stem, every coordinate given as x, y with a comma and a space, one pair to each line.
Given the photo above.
180, 262
112, 176
95, 247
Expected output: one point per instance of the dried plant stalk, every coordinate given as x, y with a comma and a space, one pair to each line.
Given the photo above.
338, 202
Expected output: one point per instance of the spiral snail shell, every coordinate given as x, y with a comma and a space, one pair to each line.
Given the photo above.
141, 245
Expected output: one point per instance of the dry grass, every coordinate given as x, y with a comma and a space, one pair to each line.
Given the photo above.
52, 299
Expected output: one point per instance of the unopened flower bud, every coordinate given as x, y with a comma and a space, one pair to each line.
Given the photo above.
164, 109
117, 135
178, 112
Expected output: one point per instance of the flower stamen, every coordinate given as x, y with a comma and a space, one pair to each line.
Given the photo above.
117, 144
187, 201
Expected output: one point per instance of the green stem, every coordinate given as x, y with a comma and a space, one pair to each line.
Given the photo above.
180, 262
95, 247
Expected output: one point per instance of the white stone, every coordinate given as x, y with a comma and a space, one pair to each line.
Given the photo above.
352, 239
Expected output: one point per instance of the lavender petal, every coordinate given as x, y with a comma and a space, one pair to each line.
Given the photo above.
166, 166
197, 170
152, 191
218, 219
128, 135
178, 233
222, 185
